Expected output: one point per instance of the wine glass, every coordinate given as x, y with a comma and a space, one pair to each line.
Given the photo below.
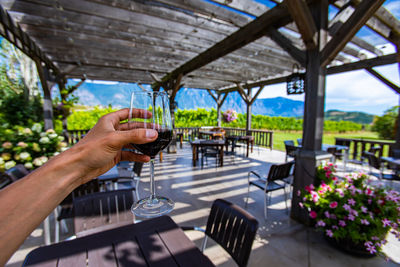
157, 117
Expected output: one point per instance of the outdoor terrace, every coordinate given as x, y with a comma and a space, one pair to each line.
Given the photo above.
280, 241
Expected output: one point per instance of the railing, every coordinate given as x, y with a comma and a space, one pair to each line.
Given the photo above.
357, 146
261, 137
75, 135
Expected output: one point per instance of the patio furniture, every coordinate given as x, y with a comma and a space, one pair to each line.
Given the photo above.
232, 228
209, 152
300, 141
154, 242
102, 211
17, 172
375, 163
277, 179
198, 144
5, 180
290, 149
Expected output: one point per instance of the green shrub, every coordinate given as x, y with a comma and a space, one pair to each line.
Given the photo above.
385, 125
86, 119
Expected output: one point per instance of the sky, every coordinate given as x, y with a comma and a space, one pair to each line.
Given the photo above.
351, 91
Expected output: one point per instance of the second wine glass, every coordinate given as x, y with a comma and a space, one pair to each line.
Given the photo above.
156, 116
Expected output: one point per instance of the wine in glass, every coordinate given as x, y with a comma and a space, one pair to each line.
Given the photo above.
157, 116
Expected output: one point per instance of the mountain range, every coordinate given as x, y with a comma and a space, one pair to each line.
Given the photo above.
118, 95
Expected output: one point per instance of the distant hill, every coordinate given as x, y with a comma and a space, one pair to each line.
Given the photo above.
118, 95
359, 117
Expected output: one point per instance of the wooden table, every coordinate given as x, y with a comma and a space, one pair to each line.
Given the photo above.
212, 134
208, 143
155, 242
246, 138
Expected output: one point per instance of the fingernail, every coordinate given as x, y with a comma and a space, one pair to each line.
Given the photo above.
151, 133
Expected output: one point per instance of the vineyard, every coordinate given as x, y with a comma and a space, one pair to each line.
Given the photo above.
85, 119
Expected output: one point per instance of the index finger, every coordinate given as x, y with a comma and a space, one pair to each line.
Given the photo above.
123, 114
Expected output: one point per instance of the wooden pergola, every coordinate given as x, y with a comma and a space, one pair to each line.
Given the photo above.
218, 45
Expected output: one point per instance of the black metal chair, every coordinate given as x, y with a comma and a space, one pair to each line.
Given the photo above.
102, 211
278, 177
300, 141
375, 163
17, 172
232, 228
209, 152
290, 149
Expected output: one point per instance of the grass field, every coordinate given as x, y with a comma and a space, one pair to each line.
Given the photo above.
328, 138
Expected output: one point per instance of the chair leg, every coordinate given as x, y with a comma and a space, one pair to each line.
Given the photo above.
248, 193
204, 244
265, 206
287, 209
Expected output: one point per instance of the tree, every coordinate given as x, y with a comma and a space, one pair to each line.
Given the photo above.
385, 125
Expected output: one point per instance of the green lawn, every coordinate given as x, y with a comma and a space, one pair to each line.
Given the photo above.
328, 138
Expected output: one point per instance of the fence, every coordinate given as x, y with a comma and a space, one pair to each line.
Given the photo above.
261, 137
357, 146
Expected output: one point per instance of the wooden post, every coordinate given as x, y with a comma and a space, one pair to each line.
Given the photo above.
310, 155
220, 101
47, 101
248, 110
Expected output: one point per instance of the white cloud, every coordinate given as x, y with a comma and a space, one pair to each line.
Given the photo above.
119, 96
393, 7
87, 98
101, 82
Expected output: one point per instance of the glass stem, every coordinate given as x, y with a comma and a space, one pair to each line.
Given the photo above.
152, 184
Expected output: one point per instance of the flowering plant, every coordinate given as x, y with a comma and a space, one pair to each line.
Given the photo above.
230, 115
352, 209
29, 146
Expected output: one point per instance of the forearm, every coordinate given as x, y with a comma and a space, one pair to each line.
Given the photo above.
27, 202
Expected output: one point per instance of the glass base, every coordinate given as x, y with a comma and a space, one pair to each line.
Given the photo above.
155, 207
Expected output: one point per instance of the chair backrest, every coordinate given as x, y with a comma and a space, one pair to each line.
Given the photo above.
17, 172
5, 180
373, 160
280, 171
299, 141
103, 210
233, 228
288, 142
374, 149
137, 168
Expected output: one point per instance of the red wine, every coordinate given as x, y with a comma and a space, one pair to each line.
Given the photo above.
151, 149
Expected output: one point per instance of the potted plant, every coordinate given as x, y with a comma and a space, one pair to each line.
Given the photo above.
230, 115
352, 213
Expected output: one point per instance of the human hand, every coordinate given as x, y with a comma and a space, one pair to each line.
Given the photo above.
102, 147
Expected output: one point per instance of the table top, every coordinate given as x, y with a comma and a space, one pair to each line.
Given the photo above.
155, 242
208, 142
391, 160
338, 147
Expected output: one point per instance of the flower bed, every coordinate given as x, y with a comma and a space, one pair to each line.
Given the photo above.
29, 146
352, 210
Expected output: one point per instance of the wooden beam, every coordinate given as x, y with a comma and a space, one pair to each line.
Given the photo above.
245, 35
256, 95
47, 101
287, 45
360, 15
393, 86
367, 63
14, 34
243, 94
212, 95
301, 15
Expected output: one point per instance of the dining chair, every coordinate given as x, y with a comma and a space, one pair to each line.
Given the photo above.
17, 172
102, 211
375, 163
300, 141
232, 228
290, 149
209, 152
278, 177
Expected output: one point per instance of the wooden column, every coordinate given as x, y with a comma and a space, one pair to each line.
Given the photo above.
47, 84
397, 136
309, 157
220, 99
249, 102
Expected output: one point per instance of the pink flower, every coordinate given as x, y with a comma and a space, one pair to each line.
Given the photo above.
371, 249
321, 223
315, 196
333, 204
346, 207
335, 227
313, 214
342, 223
368, 192
329, 233
364, 221
354, 212
351, 201
386, 222
327, 215
351, 217
301, 205
309, 188
298, 193
364, 209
